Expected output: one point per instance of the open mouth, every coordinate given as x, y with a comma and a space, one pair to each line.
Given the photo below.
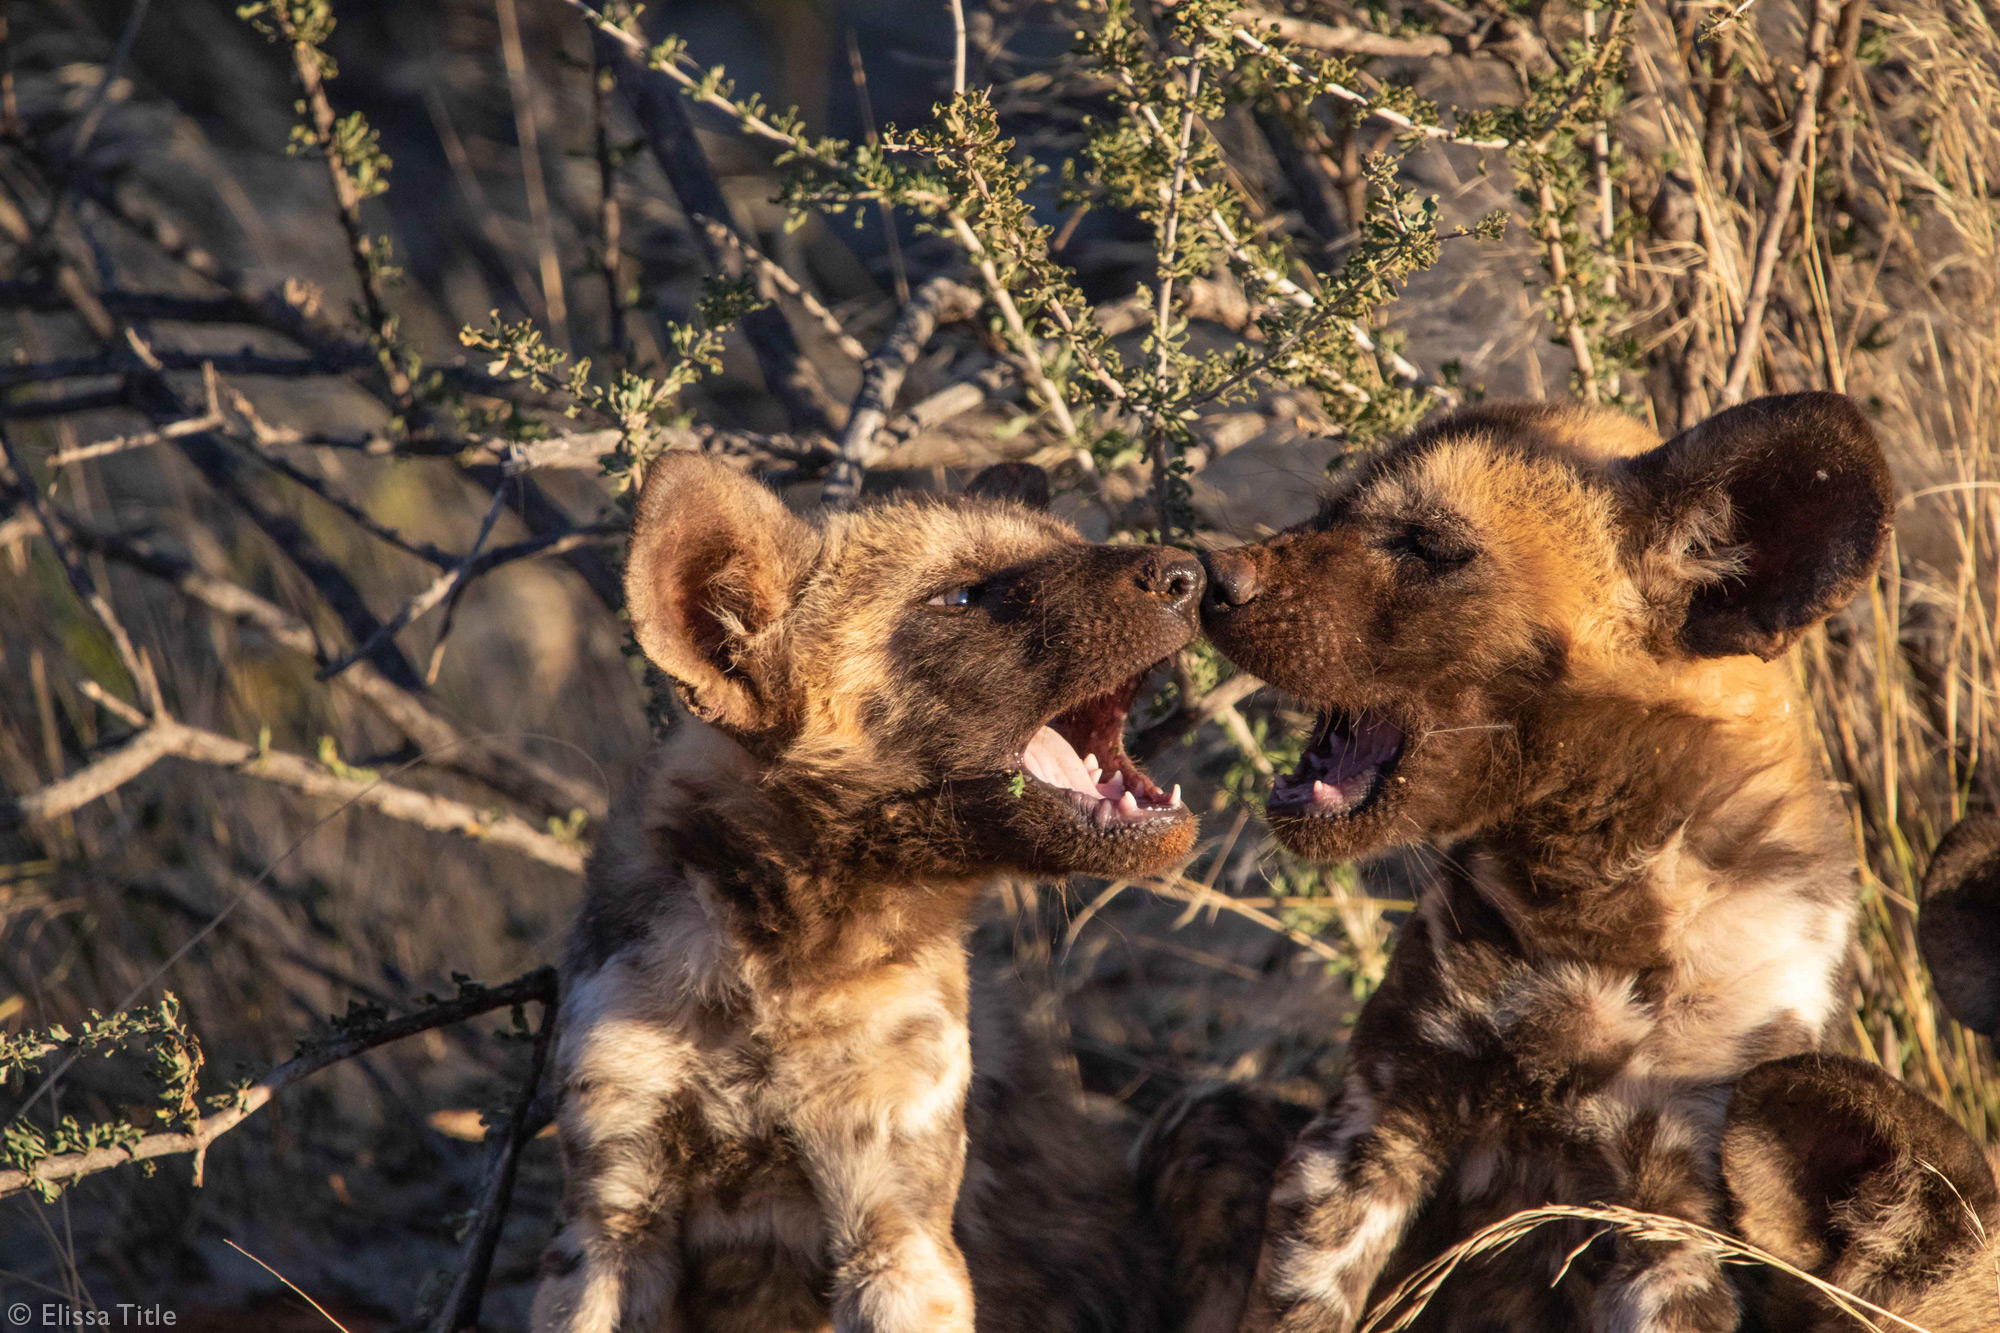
1343, 770
1080, 755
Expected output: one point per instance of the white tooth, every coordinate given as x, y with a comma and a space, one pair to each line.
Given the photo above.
1322, 792
1127, 805
1175, 799
1117, 786
1090, 762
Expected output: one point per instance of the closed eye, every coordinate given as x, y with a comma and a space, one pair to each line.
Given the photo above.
1439, 550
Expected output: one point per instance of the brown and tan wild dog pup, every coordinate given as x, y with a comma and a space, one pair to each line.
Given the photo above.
1838, 1169
1546, 643
764, 1059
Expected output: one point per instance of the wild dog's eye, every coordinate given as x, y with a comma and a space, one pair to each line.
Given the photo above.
955, 598
1440, 550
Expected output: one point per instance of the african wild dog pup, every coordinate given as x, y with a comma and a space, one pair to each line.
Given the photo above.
1841, 1171
1545, 641
764, 1057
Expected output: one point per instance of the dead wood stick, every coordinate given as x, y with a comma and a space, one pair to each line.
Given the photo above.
1750, 330
164, 737
539, 985
939, 300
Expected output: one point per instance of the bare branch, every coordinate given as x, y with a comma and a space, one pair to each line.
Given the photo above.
938, 301
165, 737
539, 985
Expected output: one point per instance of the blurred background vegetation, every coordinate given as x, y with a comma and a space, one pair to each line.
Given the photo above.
313, 702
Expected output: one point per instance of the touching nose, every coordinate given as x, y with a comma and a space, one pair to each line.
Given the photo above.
1232, 577
1172, 576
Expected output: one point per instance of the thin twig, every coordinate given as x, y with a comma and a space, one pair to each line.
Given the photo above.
1163, 313
940, 300
14, 475
1344, 37
957, 47
609, 218
1750, 329
537, 985
859, 72
792, 379
522, 94
440, 587
361, 246
1367, 104
287, 1281
212, 419
723, 234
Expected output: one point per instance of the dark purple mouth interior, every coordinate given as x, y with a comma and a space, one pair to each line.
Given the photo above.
1080, 753
1349, 758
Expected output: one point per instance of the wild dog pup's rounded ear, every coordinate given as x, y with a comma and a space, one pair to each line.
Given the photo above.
1022, 482
1959, 924
713, 562
1818, 1150
1762, 521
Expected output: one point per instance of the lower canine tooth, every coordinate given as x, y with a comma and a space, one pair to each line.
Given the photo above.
1127, 805
1322, 792
1175, 799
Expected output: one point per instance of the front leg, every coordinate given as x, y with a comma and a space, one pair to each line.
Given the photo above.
616, 1262
896, 1266
1665, 1286
1340, 1205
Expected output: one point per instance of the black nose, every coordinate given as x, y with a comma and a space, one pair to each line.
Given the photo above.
1172, 576
1232, 577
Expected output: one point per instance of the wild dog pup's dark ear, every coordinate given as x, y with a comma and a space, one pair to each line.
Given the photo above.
1023, 482
1836, 1167
1959, 925
714, 559
1763, 520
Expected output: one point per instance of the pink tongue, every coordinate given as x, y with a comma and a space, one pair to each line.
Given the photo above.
1056, 762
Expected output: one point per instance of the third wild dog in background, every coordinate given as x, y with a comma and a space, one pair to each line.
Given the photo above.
766, 1075
1848, 1175
1547, 642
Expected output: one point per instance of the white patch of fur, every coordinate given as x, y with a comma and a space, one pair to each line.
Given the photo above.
917, 1290
1325, 1276
1640, 1304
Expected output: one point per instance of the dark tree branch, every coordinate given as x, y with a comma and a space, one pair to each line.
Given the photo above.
539, 985
504, 1143
792, 379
